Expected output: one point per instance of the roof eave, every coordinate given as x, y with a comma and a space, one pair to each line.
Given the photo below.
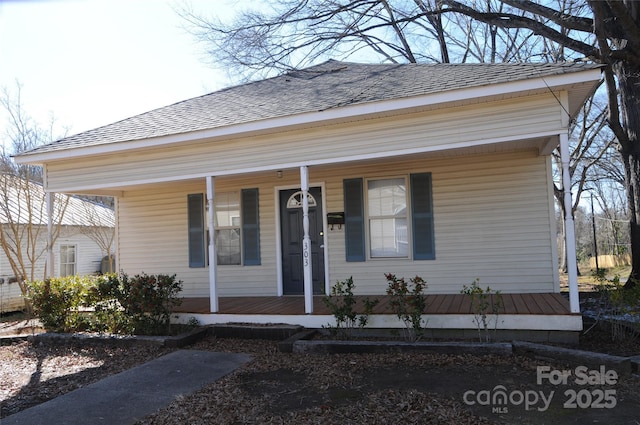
329, 115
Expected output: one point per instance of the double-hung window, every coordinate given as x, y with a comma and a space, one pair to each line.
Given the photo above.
237, 228
68, 260
227, 225
389, 218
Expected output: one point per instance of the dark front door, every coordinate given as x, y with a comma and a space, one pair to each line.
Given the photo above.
292, 234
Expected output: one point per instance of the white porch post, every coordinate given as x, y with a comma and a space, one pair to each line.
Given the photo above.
569, 232
306, 241
50, 272
213, 266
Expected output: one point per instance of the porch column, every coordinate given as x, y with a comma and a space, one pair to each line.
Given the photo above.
213, 266
569, 229
306, 242
49, 270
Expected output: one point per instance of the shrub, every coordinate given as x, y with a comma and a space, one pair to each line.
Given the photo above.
483, 303
147, 301
408, 301
341, 302
58, 302
107, 303
108, 315
620, 306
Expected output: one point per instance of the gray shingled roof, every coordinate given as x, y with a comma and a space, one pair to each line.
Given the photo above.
329, 85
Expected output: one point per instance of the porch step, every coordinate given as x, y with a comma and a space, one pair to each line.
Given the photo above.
276, 331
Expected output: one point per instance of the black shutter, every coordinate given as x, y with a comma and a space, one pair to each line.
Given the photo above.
422, 217
354, 220
195, 206
250, 227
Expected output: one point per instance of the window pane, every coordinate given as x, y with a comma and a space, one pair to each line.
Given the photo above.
387, 197
228, 246
227, 207
389, 237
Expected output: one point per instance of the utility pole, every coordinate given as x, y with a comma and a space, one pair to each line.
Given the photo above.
595, 241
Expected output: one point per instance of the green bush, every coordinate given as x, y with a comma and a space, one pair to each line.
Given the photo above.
148, 300
109, 303
58, 302
409, 302
486, 305
341, 302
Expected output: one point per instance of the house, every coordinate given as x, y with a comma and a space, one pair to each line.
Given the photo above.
80, 235
261, 196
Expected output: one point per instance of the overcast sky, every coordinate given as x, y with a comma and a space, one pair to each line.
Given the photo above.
94, 62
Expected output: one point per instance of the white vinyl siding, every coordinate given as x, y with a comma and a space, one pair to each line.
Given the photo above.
153, 238
492, 221
493, 122
89, 254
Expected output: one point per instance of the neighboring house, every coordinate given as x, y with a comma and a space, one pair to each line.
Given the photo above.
75, 250
437, 170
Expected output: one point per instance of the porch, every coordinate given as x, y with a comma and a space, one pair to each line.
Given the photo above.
522, 311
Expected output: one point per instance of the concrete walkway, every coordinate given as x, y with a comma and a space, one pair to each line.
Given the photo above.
135, 393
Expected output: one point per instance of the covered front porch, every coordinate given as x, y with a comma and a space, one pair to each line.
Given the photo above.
520, 311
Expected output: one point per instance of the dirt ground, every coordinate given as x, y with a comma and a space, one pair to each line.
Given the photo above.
395, 388
343, 389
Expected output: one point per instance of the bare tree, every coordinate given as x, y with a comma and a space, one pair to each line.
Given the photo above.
261, 42
99, 227
23, 207
605, 31
291, 34
591, 156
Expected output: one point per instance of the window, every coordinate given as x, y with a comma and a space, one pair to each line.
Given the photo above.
387, 215
227, 225
398, 218
237, 228
67, 260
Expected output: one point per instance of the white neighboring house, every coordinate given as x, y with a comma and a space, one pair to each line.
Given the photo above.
75, 249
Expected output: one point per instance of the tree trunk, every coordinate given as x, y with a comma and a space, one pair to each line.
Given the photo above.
628, 77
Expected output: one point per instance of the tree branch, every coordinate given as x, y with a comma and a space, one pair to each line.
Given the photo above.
507, 20
564, 20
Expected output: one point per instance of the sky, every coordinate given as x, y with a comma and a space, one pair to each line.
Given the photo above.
90, 63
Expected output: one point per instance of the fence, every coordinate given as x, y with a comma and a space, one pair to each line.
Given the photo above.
608, 261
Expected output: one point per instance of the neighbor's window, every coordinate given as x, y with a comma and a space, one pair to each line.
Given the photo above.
228, 225
387, 215
67, 260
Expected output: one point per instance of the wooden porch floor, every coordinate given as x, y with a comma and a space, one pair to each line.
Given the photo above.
539, 304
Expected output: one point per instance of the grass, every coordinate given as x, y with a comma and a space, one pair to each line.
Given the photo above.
587, 282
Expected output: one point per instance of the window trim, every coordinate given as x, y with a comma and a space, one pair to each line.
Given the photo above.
407, 217
197, 229
239, 227
421, 217
75, 256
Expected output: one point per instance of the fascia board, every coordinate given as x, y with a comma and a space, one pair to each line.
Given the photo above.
363, 111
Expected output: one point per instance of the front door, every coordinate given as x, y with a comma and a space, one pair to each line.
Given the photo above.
292, 234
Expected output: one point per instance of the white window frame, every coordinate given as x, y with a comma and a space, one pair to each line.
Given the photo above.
65, 264
406, 216
232, 226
